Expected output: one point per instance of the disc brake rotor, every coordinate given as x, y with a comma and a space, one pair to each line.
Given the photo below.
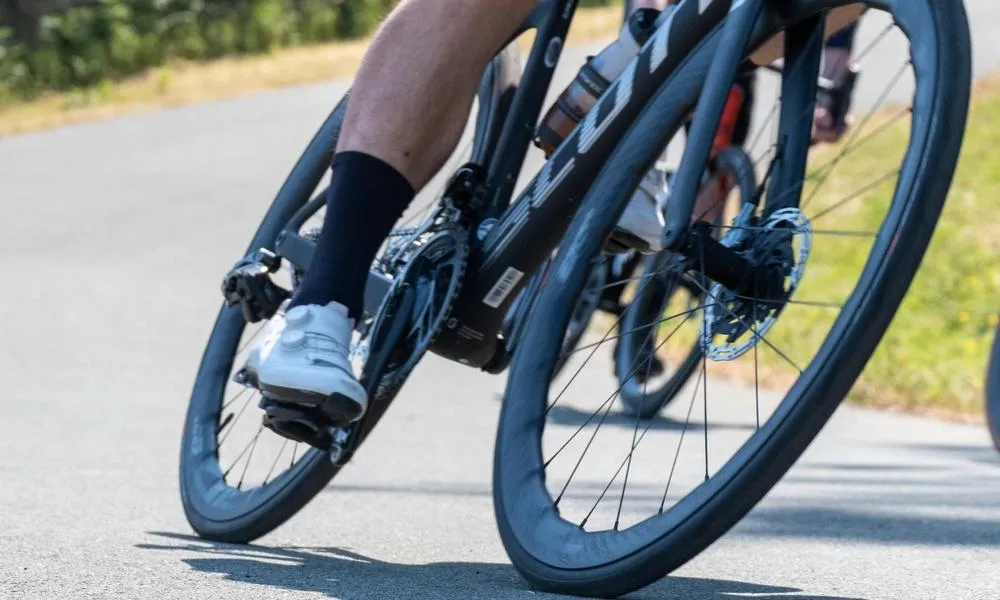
735, 323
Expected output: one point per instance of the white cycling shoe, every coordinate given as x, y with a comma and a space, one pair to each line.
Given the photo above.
304, 360
641, 225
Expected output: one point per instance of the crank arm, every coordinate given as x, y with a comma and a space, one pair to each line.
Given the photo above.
383, 341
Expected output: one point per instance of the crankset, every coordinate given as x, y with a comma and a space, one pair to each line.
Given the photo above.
426, 266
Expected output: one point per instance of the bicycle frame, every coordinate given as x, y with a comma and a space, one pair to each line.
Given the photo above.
514, 239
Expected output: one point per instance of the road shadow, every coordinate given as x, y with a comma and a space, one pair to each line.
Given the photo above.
570, 416
341, 573
976, 454
881, 528
911, 504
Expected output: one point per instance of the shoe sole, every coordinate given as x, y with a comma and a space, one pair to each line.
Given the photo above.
297, 423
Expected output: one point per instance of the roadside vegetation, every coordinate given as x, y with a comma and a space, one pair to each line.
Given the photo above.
117, 56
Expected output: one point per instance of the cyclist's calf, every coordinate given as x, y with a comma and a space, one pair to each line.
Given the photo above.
413, 93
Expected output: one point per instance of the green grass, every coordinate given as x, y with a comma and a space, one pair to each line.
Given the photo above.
935, 352
933, 358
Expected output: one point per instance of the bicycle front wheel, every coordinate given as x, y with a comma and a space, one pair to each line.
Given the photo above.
593, 504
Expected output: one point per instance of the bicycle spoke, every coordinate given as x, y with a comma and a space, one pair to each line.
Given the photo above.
857, 132
684, 313
871, 186
680, 442
704, 373
830, 232
579, 369
624, 280
244, 451
800, 302
861, 55
246, 465
591, 355
635, 432
234, 398
275, 463
756, 377
253, 336
607, 402
242, 410
704, 392
585, 449
622, 465
763, 128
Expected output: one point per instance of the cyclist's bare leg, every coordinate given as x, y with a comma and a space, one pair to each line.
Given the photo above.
407, 110
412, 95
406, 113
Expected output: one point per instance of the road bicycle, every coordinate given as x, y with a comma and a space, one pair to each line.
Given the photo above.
447, 285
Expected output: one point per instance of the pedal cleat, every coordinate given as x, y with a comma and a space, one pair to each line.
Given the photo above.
303, 424
249, 286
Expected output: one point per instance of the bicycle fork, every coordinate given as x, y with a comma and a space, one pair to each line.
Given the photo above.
803, 51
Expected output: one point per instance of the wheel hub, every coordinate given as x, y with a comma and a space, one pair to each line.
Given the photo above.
735, 321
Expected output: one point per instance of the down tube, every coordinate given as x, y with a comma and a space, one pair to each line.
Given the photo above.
534, 225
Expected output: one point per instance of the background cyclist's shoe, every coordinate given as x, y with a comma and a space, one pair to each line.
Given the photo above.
641, 225
832, 115
304, 360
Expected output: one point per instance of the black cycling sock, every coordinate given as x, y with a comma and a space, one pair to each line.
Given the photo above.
367, 196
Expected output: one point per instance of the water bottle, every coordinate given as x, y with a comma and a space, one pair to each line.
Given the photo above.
593, 80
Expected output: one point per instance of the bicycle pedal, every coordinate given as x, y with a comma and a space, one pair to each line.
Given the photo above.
248, 285
307, 425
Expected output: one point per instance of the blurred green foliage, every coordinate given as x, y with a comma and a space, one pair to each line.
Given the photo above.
84, 46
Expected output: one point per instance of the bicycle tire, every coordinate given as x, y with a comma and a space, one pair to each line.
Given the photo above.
559, 556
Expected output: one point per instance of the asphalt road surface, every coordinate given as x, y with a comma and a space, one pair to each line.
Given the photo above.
114, 238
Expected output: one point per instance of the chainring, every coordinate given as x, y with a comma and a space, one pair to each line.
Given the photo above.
431, 265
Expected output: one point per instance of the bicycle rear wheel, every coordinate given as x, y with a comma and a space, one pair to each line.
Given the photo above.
238, 480
598, 525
